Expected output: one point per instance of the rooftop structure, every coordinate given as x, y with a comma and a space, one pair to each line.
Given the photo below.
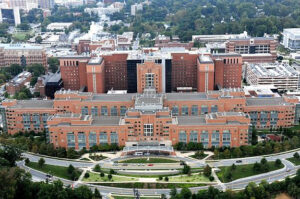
291, 38
18, 82
58, 26
282, 76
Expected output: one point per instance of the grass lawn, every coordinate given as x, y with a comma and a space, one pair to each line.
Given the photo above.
197, 157
243, 171
97, 157
84, 159
141, 185
58, 171
294, 161
94, 177
151, 160
193, 178
20, 36
132, 197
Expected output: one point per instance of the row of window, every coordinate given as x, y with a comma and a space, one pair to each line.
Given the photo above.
194, 109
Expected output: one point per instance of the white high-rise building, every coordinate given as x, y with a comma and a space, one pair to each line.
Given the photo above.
291, 38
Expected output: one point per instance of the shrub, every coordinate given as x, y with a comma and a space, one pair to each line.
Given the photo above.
109, 176
160, 178
166, 179
27, 161
41, 162
278, 163
207, 171
97, 168
102, 174
296, 155
86, 175
211, 178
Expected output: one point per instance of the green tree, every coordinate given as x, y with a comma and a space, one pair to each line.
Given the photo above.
53, 64
185, 193
278, 163
296, 155
207, 171
70, 169
33, 81
86, 175
97, 168
109, 176
97, 194
173, 192
237, 152
186, 169
41, 162
38, 39
27, 161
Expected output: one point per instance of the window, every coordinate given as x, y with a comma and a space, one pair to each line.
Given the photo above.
194, 110
92, 139
182, 136
204, 109
184, 110
71, 140
175, 110
214, 108
226, 138
104, 110
148, 129
103, 138
81, 140
113, 111
84, 110
149, 77
114, 138
123, 110
194, 136
36, 120
94, 111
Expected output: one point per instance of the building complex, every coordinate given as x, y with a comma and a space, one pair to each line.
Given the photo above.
214, 118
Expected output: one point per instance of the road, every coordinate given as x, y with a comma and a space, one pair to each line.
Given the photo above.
288, 170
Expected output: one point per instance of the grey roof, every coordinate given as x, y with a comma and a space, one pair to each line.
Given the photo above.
191, 120
255, 38
113, 97
55, 77
269, 101
205, 59
106, 121
186, 96
33, 104
95, 60
226, 55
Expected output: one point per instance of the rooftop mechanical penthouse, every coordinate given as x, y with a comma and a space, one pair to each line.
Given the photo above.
214, 118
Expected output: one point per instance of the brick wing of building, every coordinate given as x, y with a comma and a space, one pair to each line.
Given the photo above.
214, 118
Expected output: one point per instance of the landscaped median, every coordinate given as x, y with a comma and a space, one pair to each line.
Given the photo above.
234, 172
149, 160
295, 161
59, 171
193, 178
96, 177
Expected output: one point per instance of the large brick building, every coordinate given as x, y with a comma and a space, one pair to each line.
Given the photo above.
175, 71
254, 49
215, 118
22, 54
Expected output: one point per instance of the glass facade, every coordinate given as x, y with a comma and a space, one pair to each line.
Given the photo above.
104, 110
71, 140
94, 111
114, 138
123, 110
204, 109
81, 140
92, 139
26, 121
215, 138
204, 138
194, 136
84, 110
175, 110
114, 111
226, 138
103, 138
36, 120
214, 108
184, 110
194, 110
182, 136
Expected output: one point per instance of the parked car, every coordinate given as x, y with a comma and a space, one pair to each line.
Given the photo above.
150, 165
239, 161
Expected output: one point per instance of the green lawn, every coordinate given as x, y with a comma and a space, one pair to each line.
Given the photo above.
197, 157
294, 161
141, 185
193, 178
151, 160
243, 171
94, 177
58, 171
20, 36
97, 157
132, 197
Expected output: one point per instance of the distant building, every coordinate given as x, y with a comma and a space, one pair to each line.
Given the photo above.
18, 82
46, 4
10, 16
217, 38
254, 49
282, 76
58, 26
136, 7
22, 54
48, 84
291, 38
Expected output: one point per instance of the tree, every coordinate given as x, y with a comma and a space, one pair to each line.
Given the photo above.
173, 192
70, 169
233, 167
53, 64
256, 167
296, 155
24, 26
27, 161
38, 39
211, 178
111, 171
97, 194
102, 174
41, 162
15, 69
109, 176
36, 69
237, 152
166, 178
207, 171
227, 153
186, 169
33, 81
185, 193
97, 168
278, 163
86, 175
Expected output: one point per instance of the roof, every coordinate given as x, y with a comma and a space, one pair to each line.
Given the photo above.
191, 120
226, 55
268, 101
95, 60
113, 97
33, 104
186, 96
20, 47
205, 59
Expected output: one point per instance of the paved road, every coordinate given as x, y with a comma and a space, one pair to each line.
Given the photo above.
280, 174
